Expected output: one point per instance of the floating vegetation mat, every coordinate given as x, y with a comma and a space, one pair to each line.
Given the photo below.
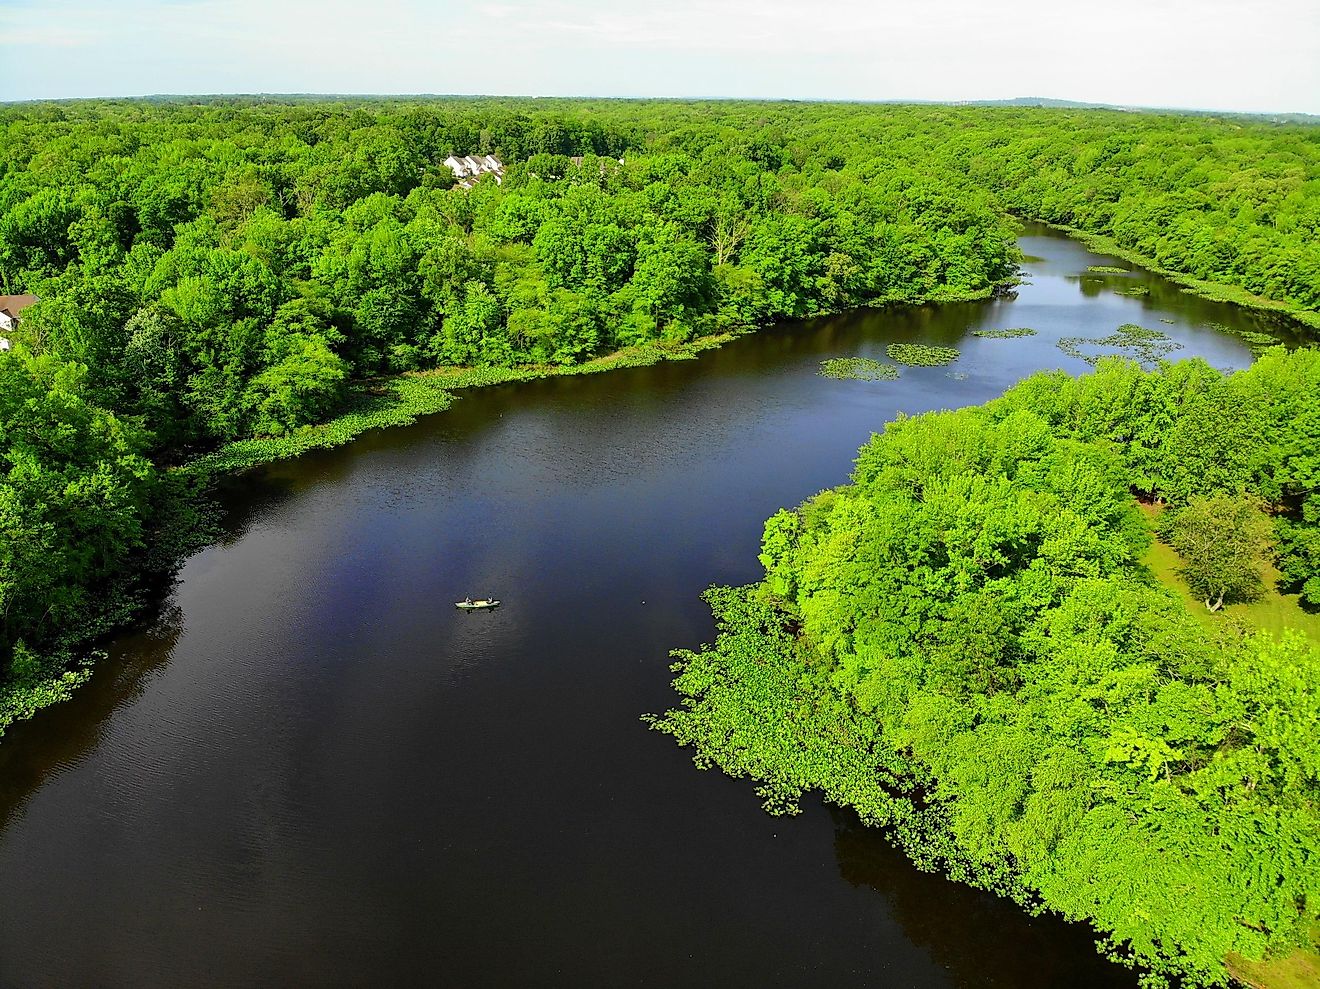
1147, 346
1105, 269
957, 375
1256, 342
1012, 334
1165, 319
1134, 290
858, 369
920, 355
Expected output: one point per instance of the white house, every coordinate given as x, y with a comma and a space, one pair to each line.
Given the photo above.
470, 168
10, 307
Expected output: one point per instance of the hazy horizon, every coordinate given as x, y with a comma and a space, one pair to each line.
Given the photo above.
1210, 56
587, 97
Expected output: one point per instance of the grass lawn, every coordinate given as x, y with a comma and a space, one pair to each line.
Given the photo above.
1300, 970
1272, 613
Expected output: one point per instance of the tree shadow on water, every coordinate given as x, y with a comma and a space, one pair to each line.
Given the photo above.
241, 500
33, 752
980, 939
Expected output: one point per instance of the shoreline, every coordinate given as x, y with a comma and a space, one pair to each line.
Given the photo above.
1213, 291
400, 400
403, 399
380, 403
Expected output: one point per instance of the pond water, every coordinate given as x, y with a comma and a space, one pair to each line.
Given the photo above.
313, 769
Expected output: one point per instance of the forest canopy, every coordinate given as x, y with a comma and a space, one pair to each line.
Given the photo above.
964, 645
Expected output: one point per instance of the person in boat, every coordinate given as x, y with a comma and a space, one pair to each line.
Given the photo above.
467, 600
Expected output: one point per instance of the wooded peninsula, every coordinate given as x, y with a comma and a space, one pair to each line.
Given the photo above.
972, 643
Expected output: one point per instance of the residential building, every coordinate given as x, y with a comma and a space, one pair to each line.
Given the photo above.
10, 307
469, 169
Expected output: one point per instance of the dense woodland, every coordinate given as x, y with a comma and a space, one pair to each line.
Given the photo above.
213, 271
964, 645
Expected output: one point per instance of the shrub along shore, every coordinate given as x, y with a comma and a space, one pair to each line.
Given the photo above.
1200, 287
402, 400
965, 645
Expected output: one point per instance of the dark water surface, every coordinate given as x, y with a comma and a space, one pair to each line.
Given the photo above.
315, 771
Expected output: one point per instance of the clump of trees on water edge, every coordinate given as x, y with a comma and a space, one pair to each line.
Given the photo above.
964, 645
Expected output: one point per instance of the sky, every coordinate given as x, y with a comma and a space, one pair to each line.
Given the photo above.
1257, 55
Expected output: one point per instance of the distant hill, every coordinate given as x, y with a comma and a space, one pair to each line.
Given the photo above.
1048, 102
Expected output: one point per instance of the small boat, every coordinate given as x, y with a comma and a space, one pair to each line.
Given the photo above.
477, 605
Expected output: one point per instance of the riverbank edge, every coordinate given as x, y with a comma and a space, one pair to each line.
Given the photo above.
1213, 291
381, 403
892, 805
401, 400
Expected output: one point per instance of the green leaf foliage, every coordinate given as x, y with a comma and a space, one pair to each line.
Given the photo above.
964, 644
230, 280
1129, 340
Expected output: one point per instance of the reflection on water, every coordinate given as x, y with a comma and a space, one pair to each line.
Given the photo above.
65, 733
971, 932
314, 770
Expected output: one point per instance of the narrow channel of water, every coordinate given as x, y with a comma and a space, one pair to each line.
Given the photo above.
314, 770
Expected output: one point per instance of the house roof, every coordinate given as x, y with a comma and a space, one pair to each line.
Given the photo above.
469, 168
12, 305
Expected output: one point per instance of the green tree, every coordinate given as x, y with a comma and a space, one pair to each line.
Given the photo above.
1225, 542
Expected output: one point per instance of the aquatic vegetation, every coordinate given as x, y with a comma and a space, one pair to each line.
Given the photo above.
921, 355
1256, 341
1012, 334
1106, 269
1134, 290
957, 375
858, 369
400, 401
1129, 340
1251, 291
1148, 345
959, 705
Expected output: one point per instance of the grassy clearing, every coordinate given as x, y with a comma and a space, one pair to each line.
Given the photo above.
1300, 970
1272, 613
